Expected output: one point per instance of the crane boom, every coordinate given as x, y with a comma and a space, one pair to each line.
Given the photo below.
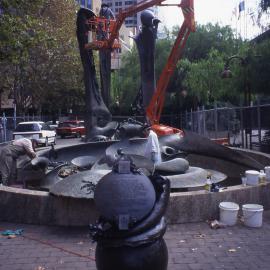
153, 111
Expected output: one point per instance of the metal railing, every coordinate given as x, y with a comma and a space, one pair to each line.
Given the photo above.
246, 127
8, 124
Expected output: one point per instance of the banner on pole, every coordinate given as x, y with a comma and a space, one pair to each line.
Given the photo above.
241, 7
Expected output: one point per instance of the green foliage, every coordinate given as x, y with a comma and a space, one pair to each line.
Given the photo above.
265, 4
40, 62
259, 68
206, 37
203, 78
39, 55
126, 81
20, 30
162, 52
197, 73
207, 50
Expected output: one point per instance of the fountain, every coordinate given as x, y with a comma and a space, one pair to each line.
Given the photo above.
64, 195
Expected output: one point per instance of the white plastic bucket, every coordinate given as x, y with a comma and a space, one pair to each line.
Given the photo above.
228, 212
267, 172
253, 215
252, 177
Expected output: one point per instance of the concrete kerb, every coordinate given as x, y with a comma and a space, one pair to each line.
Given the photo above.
39, 207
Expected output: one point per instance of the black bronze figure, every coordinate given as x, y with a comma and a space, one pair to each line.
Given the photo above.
105, 58
130, 230
96, 111
145, 41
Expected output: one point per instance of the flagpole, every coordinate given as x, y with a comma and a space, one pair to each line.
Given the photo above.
245, 18
236, 22
240, 18
236, 25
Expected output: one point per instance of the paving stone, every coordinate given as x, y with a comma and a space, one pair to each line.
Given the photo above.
191, 246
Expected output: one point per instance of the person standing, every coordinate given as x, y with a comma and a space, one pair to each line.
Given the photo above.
106, 12
9, 155
152, 149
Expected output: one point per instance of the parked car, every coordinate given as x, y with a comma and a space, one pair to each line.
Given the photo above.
52, 125
37, 130
74, 128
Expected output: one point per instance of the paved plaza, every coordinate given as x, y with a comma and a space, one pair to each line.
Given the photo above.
191, 246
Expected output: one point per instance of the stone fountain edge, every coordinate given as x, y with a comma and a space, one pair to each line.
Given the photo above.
39, 207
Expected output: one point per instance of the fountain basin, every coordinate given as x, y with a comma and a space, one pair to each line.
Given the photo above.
39, 207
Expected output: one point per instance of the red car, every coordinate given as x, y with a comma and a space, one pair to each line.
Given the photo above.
74, 128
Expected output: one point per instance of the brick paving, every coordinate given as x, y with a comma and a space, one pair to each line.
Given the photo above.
191, 246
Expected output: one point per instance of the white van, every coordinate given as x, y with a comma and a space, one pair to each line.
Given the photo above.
37, 130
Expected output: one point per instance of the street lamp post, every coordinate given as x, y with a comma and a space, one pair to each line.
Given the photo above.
226, 73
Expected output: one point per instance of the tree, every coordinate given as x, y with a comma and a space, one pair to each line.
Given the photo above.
38, 49
206, 50
259, 67
207, 37
264, 5
19, 32
197, 73
126, 81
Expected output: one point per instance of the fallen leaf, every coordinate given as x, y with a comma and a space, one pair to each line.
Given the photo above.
40, 268
200, 235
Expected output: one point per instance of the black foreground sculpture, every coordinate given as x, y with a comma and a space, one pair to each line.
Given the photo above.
130, 230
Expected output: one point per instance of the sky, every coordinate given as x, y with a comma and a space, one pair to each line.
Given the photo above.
215, 11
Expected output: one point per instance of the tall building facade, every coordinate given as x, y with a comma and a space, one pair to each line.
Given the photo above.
91, 4
132, 21
85, 3
118, 5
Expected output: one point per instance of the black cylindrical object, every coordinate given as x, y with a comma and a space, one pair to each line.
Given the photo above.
130, 230
152, 256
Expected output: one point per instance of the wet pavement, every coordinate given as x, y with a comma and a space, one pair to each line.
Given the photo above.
191, 246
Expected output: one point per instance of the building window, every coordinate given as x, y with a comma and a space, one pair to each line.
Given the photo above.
83, 3
89, 4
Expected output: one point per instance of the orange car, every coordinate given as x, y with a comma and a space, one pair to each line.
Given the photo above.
74, 128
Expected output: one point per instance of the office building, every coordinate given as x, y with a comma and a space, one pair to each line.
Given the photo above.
91, 4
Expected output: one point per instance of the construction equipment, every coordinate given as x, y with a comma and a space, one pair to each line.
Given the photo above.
104, 34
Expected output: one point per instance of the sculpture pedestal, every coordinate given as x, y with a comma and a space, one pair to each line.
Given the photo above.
152, 256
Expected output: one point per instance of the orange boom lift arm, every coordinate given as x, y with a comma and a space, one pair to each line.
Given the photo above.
155, 107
